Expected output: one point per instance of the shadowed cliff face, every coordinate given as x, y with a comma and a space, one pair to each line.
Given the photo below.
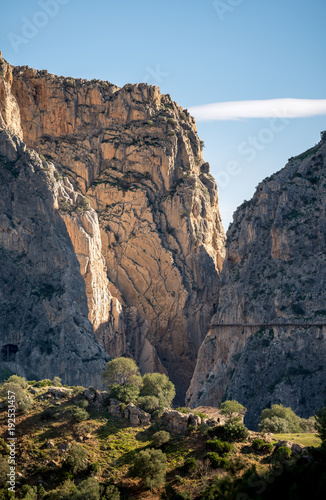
44, 330
136, 156
267, 341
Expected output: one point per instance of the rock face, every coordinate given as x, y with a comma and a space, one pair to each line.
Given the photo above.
136, 155
267, 341
44, 330
9, 110
138, 206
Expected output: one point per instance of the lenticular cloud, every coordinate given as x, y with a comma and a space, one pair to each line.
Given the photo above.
269, 108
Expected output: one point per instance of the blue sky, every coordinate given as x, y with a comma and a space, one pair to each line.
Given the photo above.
198, 51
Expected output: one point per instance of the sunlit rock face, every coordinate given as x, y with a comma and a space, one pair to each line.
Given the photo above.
139, 206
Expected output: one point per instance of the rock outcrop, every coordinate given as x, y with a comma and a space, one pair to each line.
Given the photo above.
139, 205
136, 156
131, 412
267, 341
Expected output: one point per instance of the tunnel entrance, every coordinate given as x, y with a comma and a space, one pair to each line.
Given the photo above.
8, 353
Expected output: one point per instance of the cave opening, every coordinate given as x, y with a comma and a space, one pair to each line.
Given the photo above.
8, 353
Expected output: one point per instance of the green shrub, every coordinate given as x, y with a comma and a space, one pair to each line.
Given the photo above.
160, 438
221, 447
89, 489
125, 393
259, 445
148, 403
22, 400
18, 380
41, 491
111, 493
172, 122
190, 465
308, 424
79, 414
30, 492
278, 420
282, 452
4, 470
158, 385
150, 466
65, 491
216, 461
158, 413
83, 403
321, 424
43, 383
94, 468
76, 458
184, 410
57, 381
230, 432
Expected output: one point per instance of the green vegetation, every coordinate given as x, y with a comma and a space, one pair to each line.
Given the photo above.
150, 466
82, 205
218, 462
230, 432
221, 447
160, 438
260, 445
321, 425
21, 399
71, 448
279, 419
152, 392
158, 385
233, 411
124, 379
306, 439
122, 371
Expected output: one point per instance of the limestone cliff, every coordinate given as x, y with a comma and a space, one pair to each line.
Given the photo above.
267, 341
44, 330
136, 156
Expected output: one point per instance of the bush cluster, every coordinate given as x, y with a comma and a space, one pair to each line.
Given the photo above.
230, 432
260, 445
279, 420
219, 446
218, 462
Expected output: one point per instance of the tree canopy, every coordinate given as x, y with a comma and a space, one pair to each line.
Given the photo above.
122, 371
150, 466
279, 419
158, 384
232, 410
321, 424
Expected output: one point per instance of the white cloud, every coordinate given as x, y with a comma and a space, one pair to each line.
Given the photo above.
269, 108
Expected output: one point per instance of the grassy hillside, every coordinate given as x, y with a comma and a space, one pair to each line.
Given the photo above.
63, 444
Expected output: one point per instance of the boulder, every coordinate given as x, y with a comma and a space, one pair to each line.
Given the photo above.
114, 408
297, 449
176, 421
58, 392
